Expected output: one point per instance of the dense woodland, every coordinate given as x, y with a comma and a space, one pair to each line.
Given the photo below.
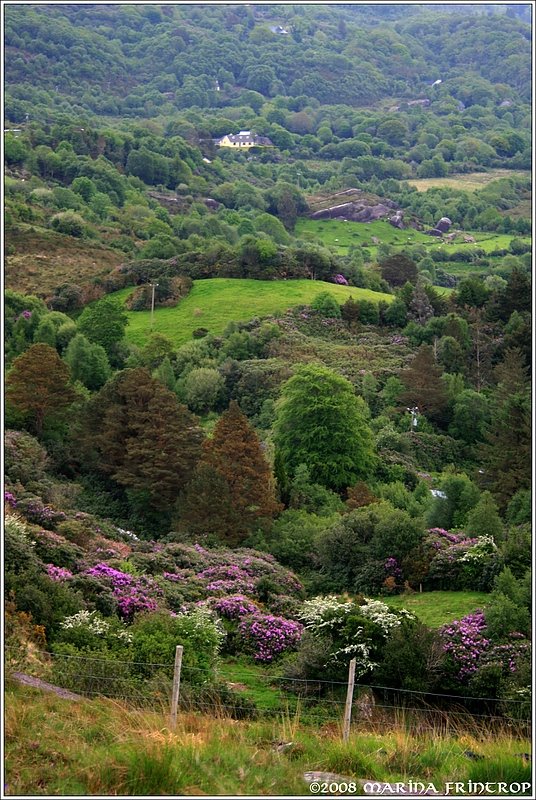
248, 491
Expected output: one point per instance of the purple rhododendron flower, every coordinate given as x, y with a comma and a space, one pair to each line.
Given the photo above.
10, 499
58, 573
269, 636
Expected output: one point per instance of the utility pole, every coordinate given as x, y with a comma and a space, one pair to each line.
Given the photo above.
153, 286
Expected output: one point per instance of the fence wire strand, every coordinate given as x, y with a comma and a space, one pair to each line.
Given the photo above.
68, 670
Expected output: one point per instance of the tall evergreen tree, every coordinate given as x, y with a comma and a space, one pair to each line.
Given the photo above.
507, 451
38, 385
206, 508
138, 433
424, 388
235, 452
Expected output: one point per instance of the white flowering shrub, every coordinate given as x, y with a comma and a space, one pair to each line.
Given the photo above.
324, 612
481, 550
383, 616
87, 625
349, 630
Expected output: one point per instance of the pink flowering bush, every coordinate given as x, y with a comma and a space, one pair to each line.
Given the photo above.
267, 636
37, 512
461, 563
340, 279
133, 594
58, 573
10, 499
234, 607
465, 641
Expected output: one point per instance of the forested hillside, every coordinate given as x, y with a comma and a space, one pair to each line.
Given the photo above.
260, 399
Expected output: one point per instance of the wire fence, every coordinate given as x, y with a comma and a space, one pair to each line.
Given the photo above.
256, 695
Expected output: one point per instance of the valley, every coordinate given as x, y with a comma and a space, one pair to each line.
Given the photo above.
267, 444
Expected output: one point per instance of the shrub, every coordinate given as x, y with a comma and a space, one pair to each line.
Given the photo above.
97, 595
266, 636
19, 550
48, 601
156, 636
326, 305
133, 595
55, 549
88, 630
25, 459
411, 658
465, 641
69, 223
504, 616
37, 512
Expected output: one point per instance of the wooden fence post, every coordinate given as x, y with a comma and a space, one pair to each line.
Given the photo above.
349, 700
176, 685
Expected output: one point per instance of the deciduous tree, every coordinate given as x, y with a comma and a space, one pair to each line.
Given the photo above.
322, 423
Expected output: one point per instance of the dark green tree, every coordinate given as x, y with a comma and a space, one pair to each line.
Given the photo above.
87, 361
137, 432
424, 388
104, 323
507, 449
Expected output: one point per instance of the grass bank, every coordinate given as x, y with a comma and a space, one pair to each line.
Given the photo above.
215, 302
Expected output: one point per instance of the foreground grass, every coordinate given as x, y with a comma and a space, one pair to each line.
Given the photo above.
215, 302
437, 608
56, 747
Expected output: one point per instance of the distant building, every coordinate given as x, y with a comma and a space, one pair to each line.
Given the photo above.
15, 131
279, 29
244, 139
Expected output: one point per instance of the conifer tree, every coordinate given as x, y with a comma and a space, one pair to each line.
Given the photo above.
507, 450
206, 508
38, 385
424, 387
235, 452
484, 519
142, 437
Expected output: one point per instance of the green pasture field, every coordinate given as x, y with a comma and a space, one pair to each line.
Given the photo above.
215, 302
340, 236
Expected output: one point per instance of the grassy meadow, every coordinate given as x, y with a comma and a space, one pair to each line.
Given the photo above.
340, 236
215, 302
101, 747
438, 608
468, 182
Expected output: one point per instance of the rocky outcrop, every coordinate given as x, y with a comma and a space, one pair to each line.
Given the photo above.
398, 220
434, 232
441, 227
357, 211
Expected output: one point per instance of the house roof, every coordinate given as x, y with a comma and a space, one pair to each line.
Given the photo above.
246, 137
